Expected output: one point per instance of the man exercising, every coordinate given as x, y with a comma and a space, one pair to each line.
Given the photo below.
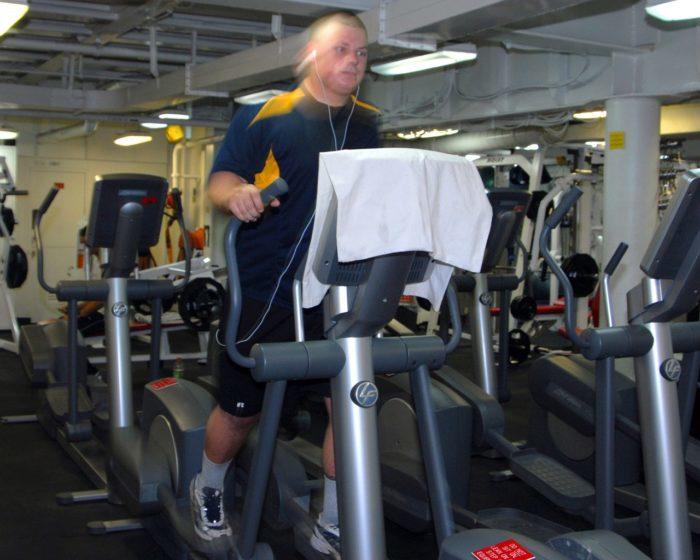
281, 138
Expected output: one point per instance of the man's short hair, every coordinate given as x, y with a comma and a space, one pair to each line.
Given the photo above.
345, 18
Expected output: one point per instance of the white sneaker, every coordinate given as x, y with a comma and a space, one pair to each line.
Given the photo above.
207, 506
326, 540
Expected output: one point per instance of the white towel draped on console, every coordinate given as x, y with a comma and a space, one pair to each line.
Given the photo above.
391, 200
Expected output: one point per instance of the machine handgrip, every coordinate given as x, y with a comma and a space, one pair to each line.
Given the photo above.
567, 202
277, 188
49, 199
616, 258
455, 318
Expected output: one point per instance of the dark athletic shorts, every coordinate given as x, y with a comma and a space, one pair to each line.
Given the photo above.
239, 394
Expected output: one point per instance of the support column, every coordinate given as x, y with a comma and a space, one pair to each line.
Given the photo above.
630, 192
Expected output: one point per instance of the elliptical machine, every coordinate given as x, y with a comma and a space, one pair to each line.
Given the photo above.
363, 297
564, 389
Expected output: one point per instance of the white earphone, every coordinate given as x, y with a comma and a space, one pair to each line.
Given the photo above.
308, 59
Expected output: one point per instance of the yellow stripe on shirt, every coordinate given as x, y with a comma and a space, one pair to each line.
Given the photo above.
270, 172
281, 104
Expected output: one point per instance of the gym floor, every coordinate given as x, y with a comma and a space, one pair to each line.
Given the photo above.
33, 469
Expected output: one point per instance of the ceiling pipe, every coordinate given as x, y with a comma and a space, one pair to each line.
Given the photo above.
211, 23
185, 41
81, 130
118, 52
107, 118
85, 11
99, 75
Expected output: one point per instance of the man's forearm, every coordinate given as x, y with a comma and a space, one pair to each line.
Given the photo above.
221, 186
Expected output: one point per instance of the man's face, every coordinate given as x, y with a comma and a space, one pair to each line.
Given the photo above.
341, 57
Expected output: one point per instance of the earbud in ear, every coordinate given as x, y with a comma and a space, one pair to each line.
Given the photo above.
308, 59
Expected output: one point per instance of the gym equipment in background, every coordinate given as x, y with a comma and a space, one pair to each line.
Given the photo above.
13, 259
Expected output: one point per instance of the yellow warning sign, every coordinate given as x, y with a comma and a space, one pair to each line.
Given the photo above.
617, 140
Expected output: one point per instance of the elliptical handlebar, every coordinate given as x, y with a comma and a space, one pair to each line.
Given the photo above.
37, 217
180, 217
605, 282
455, 318
615, 259
552, 222
275, 189
567, 203
526, 259
44, 206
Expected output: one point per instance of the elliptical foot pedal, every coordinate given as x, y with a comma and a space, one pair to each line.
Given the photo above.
501, 476
116, 526
82, 497
556, 482
19, 419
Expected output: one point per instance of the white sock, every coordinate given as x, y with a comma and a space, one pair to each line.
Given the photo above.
212, 474
329, 515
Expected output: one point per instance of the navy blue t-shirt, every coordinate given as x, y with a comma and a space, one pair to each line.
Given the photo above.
283, 138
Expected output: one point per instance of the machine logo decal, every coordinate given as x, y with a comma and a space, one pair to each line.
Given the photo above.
671, 369
365, 394
119, 309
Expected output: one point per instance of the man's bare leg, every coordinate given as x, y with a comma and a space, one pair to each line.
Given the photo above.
226, 434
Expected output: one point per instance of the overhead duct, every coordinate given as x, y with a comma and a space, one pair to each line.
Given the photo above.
83, 129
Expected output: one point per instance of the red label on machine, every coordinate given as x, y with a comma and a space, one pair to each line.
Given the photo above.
506, 550
163, 383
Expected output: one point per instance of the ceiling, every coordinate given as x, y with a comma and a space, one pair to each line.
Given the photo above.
80, 58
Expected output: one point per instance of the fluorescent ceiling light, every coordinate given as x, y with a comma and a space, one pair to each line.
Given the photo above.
472, 157
153, 125
11, 11
595, 144
437, 132
410, 135
133, 139
590, 115
257, 97
452, 54
532, 147
422, 133
7, 133
673, 10
174, 115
